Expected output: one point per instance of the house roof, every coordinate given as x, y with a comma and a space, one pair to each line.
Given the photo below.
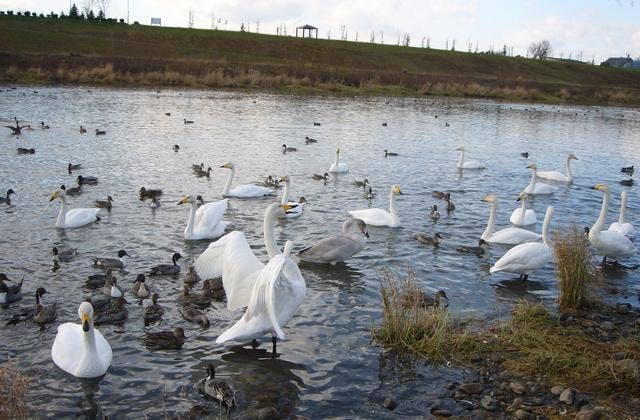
617, 61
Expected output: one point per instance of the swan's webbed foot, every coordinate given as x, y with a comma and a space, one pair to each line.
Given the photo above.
274, 354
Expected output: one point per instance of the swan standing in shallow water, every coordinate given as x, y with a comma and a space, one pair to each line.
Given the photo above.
507, 236
336, 166
232, 258
72, 218
278, 292
526, 258
296, 207
81, 350
608, 243
622, 226
468, 164
537, 188
205, 222
523, 216
338, 248
242, 191
559, 176
379, 217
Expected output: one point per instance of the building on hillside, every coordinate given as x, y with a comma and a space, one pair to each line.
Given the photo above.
307, 28
618, 62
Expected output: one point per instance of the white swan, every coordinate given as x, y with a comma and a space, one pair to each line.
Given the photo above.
72, 218
508, 236
523, 216
608, 243
468, 164
81, 350
622, 226
537, 188
205, 222
296, 207
379, 217
338, 167
559, 176
525, 258
277, 294
242, 191
232, 258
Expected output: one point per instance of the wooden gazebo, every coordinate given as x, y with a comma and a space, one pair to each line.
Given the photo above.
307, 28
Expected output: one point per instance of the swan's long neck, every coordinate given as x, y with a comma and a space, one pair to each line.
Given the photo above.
461, 158
597, 227
623, 208
269, 240
89, 351
285, 193
227, 185
534, 174
392, 205
524, 206
62, 214
545, 225
492, 222
337, 161
192, 218
569, 175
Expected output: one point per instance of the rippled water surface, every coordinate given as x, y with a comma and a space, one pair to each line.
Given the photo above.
328, 365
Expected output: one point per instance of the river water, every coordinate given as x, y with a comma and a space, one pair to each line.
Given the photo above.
328, 366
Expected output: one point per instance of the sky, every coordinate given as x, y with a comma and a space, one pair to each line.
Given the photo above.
591, 29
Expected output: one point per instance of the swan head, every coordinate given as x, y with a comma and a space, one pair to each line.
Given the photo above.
284, 207
186, 199
396, 190
461, 148
337, 151
522, 196
59, 193
284, 178
572, 157
227, 165
359, 225
85, 312
532, 166
490, 198
601, 187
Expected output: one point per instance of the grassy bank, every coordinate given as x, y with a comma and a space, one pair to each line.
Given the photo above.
39, 50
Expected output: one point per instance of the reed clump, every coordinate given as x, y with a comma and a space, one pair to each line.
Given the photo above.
574, 269
13, 388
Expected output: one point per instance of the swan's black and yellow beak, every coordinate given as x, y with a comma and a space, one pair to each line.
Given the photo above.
53, 196
183, 200
85, 322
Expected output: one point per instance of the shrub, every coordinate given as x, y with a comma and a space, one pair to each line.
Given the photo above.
574, 270
13, 387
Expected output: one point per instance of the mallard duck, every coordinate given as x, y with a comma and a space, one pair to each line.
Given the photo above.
167, 269
423, 300
116, 263
434, 214
87, 180
168, 340
110, 311
106, 204
7, 199
82, 130
195, 315
154, 311
213, 289
100, 132
43, 314
111, 288
186, 121
71, 167
388, 153
139, 288
318, 177
145, 193
188, 299
98, 280
476, 250
428, 240
9, 294
308, 140
286, 149
361, 184
176, 147
63, 256
450, 206
220, 390
191, 277
23, 151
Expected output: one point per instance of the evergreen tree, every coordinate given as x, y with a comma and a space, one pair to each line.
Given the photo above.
101, 15
73, 12
91, 15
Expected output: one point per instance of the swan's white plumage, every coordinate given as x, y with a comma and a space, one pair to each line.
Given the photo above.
538, 188
609, 243
379, 217
468, 164
622, 226
296, 208
243, 191
73, 218
559, 176
205, 222
507, 236
337, 166
523, 216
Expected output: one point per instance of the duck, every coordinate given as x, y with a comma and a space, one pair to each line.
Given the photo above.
23, 151
66, 255
338, 248
9, 294
145, 193
72, 218
176, 147
369, 194
308, 140
81, 350
43, 314
627, 170
73, 167
167, 269
537, 188
278, 292
114, 263
154, 204
379, 217
17, 130
507, 236
384, 124
87, 180
140, 289
243, 191
609, 243
43, 125
361, 184
627, 182
420, 299
166, 340
194, 315
187, 298
82, 130
74, 191
318, 177
99, 280
434, 214
205, 222
388, 153
525, 155
106, 204
154, 311
476, 250
196, 167
111, 288
271, 182
428, 240
220, 390
316, 124
200, 173
213, 289
100, 132
450, 206
522, 216
523, 259
186, 121
337, 167
110, 311
622, 226
558, 176
286, 149
7, 198
295, 207
191, 277
468, 164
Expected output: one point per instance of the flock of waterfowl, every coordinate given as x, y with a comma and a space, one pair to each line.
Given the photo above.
272, 291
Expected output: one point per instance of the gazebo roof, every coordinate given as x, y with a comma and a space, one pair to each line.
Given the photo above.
306, 27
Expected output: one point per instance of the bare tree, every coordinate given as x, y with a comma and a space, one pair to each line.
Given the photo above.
87, 6
372, 37
258, 26
213, 20
540, 50
453, 44
381, 37
406, 40
428, 42
104, 5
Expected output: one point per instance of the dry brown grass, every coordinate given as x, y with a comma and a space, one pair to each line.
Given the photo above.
13, 388
574, 269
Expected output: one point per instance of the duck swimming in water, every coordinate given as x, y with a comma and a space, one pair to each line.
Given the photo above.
166, 340
140, 289
167, 269
7, 199
154, 311
219, 390
43, 314
115, 263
